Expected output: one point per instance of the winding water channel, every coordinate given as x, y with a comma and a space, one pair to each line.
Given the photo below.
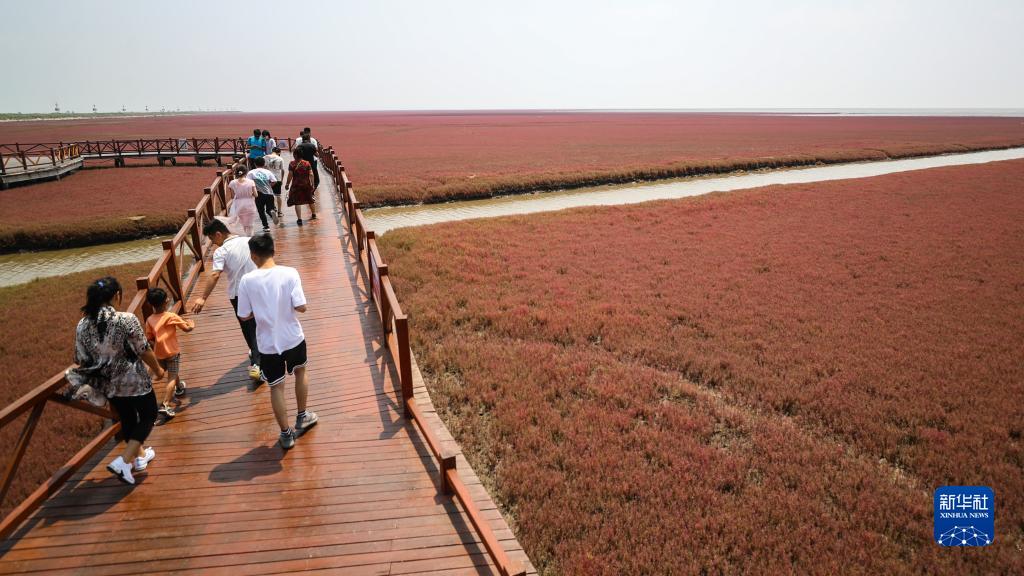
20, 268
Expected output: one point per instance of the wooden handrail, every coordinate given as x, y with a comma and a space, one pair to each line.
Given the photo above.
506, 565
180, 283
396, 338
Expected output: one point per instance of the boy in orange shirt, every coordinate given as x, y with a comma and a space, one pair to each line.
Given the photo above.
162, 330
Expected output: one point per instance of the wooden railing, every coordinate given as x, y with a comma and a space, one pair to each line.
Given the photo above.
35, 156
177, 271
396, 337
30, 156
171, 147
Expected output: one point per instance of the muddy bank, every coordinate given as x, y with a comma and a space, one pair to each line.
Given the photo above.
483, 188
63, 236
381, 220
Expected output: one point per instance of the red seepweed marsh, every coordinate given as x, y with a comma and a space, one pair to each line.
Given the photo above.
766, 380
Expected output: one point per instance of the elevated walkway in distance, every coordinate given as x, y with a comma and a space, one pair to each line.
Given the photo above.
38, 165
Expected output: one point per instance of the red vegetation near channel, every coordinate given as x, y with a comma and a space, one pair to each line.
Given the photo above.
37, 340
764, 381
97, 206
406, 157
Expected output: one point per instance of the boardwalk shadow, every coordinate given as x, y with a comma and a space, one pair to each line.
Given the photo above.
381, 370
260, 461
234, 379
86, 499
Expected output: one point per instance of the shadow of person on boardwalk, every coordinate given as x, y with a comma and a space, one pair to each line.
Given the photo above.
260, 461
233, 379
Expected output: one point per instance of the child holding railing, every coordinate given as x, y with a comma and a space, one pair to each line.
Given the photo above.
162, 332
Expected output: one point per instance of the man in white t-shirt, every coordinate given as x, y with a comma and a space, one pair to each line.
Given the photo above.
307, 132
264, 180
232, 258
275, 164
272, 295
271, 143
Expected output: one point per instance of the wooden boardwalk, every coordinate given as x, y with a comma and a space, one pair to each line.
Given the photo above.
36, 168
357, 495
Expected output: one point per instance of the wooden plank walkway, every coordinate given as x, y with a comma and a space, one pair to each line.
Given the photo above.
39, 168
357, 495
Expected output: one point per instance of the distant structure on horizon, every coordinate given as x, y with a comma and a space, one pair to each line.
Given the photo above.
56, 107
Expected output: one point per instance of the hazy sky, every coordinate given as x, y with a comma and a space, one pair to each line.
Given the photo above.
382, 55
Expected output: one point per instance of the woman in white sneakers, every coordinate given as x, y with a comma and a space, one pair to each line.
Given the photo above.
112, 354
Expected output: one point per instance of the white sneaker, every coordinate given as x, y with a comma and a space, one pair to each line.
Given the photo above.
122, 470
142, 462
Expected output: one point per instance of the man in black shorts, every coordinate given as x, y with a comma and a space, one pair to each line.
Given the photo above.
272, 295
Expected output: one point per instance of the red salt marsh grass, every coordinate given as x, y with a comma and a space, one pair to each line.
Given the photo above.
414, 157
94, 206
766, 381
37, 340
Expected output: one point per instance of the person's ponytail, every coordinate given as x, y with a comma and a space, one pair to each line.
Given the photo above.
98, 295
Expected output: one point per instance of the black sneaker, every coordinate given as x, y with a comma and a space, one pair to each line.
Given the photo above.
313, 217
299, 221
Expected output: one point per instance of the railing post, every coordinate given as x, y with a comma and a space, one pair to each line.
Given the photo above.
19, 448
172, 272
366, 236
385, 302
222, 191
197, 238
447, 462
211, 210
142, 284
404, 359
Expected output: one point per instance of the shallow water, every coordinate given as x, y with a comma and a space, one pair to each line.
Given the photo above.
19, 268
382, 220
26, 266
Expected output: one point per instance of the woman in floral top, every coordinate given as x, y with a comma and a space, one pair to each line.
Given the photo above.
112, 353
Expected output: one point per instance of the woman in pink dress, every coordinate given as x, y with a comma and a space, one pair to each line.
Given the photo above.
243, 207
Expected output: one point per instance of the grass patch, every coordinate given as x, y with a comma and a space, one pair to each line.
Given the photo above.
772, 380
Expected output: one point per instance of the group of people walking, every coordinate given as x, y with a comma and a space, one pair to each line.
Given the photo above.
256, 185
113, 350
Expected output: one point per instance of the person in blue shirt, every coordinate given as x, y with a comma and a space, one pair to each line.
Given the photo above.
257, 147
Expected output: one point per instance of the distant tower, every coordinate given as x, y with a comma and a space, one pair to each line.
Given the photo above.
56, 107
147, 108
93, 108
123, 109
